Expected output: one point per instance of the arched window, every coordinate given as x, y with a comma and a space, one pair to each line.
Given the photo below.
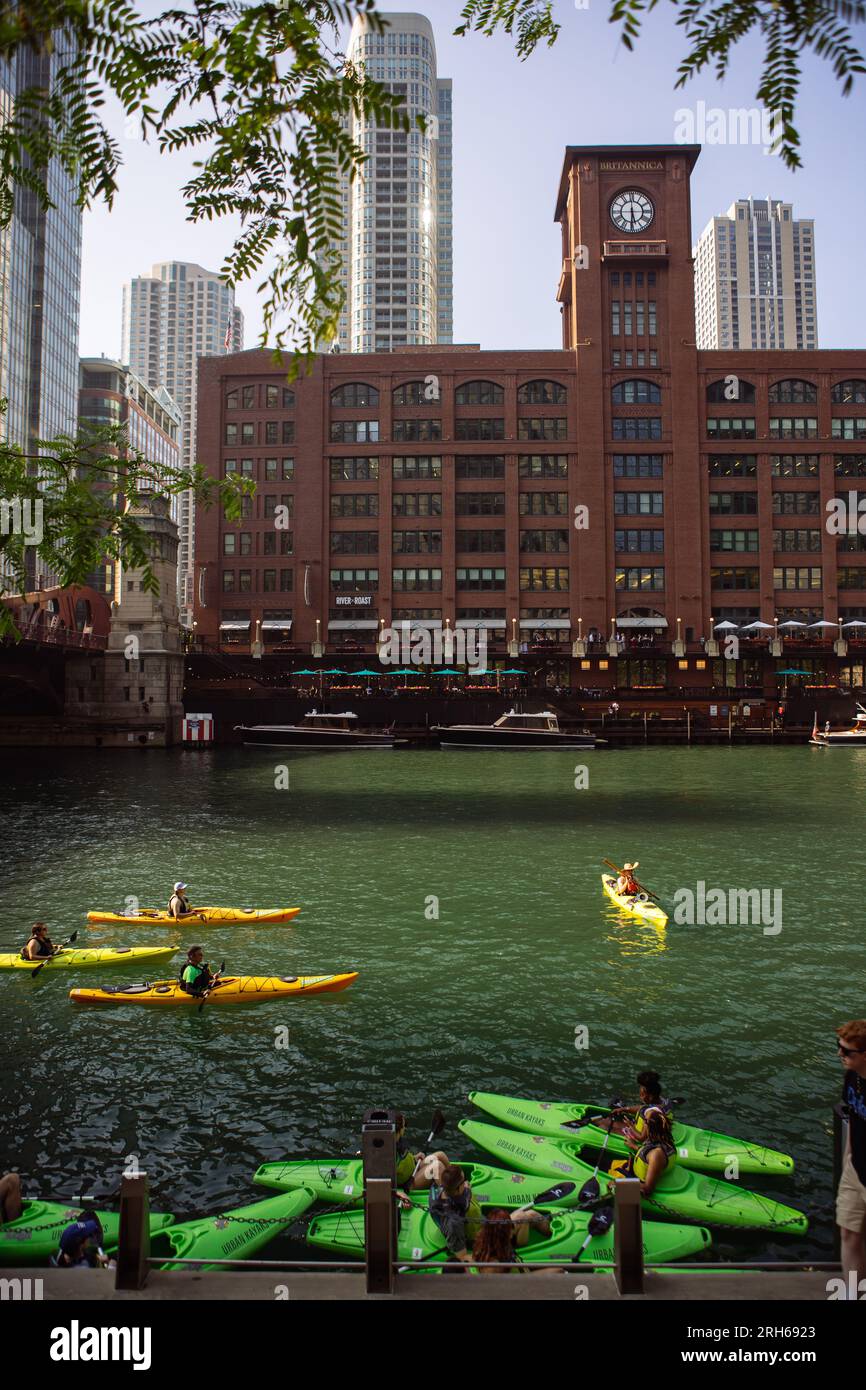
849, 393
417, 392
793, 391
83, 614
730, 389
636, 392
232, 398
541, 393
355, 394
479, 393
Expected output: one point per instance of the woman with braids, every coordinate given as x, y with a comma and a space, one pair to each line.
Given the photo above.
654, 1150
501, 1234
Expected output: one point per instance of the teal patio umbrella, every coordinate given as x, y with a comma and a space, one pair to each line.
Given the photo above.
366, 673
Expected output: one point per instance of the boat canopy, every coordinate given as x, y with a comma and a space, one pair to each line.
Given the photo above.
314, 714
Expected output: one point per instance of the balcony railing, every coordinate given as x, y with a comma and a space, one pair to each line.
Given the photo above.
656, 250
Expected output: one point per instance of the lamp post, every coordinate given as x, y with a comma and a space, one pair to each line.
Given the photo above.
513, 645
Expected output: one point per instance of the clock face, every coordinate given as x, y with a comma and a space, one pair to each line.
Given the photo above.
631, 211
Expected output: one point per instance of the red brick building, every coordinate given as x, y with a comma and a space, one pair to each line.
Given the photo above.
599, 509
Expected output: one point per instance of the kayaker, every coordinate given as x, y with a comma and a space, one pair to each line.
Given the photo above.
195, 977
40, 944
851, 1193
178, 905
81, 1244
627, 885
415, 1170
454, 1209
654, 1151
650, 1092
10, 1197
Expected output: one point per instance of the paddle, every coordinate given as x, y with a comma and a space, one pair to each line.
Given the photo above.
210, 987
591, 1190
599, 1223
48, 959
654, 896
437, 1124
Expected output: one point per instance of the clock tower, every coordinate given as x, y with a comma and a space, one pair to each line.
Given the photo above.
627, 296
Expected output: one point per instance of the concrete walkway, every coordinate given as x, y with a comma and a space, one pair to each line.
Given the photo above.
736, 1286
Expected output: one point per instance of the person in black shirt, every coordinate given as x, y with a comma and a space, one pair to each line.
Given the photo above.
851, 1196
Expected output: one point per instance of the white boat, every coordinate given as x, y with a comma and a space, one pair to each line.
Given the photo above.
513, 730
832, 738
317, 731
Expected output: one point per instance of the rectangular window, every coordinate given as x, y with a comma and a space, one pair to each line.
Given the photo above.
651, 309
542, 427
248, 433
639, 538
364, 581
641, 578
543, 504
354, 431
735, 578
796, 540
492, 542
552, 542
733, 503
416, 542
355, 504
354, 542
228, 581
733, 466
542, 466
416, 503
479, 466
734, 540
481, 579
419, 431
731, 427
853, 578
249, 398
286, 581
637, 465
796, 503
638, 503
480, 504
850, 465
546, 580
637, 427
415, 580
794, 465
797, 577
848, 429
354, 470
269, 581
417, 466
480, 429
615, 321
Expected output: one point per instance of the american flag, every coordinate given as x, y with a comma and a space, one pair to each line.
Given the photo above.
228, 338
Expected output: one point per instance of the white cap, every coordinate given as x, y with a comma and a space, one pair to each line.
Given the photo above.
178, 887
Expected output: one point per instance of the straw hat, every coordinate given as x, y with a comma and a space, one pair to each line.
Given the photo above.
635, 865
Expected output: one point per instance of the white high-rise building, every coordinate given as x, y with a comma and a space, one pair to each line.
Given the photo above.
171, 318
755, 278
396, 250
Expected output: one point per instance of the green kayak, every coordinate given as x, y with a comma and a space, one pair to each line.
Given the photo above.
341, 1180
696, 1148
420, 1238
232, 1235
35, 1235
681, 1195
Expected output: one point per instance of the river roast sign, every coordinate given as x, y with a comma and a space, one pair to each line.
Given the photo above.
353, 600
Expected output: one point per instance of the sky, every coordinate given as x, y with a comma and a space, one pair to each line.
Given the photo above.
511, 122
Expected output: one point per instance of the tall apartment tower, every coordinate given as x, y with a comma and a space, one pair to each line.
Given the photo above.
396, 250
40, 284
755, 278
171, 318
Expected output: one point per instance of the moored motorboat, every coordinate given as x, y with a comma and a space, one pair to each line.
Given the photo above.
853, 737
319, 731
513, 730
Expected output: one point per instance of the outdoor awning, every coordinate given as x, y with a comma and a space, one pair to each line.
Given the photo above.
546, 624
419, 624
481, 622
642, 622
277, 625
353, 625
234, 627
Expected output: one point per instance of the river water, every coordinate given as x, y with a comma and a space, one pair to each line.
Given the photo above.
465, 888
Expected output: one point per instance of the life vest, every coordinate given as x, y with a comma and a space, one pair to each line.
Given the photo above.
405, 1163
662, 1104
640, 1161
189, 986
45, 948
182, 902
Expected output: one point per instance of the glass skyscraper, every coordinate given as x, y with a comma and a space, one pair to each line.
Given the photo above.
395, 252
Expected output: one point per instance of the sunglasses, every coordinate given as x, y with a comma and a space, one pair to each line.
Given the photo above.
849, 1051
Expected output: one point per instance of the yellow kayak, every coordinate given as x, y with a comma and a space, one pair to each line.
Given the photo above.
69, 959
636, 907
202, 916
231, 989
